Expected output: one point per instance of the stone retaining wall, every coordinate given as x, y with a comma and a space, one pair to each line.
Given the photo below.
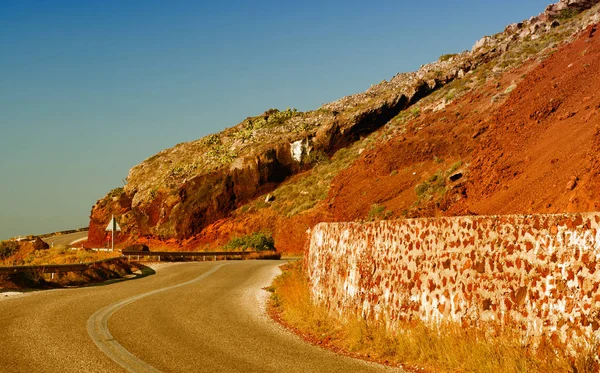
540, 273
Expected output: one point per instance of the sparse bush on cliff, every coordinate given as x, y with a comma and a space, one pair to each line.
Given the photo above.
221, 155
116, 192
406, 115
8, 248
416, 112
446, 57
184, 170
279, 117
211, 140
259, 241
379, 212
270, 119
317, 157
421, 188
455, 167
436, 184
566, 14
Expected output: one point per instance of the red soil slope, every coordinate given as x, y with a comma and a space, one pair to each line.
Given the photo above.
535, 152
544, 139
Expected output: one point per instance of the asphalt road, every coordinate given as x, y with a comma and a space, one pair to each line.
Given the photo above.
66, 239
188, 317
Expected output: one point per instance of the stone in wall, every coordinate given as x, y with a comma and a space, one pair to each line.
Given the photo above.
539, 273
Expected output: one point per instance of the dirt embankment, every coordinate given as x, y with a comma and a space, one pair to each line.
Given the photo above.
540, 154
536, 152
526, 142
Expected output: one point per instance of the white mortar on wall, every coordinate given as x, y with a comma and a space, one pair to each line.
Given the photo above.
540, 273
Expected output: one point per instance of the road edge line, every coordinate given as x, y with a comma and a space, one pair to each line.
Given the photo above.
97, 328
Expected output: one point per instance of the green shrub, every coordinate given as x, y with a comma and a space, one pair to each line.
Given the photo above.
416, 112
379, 212
421, 189
211, 140
8, 248
566, 14
221, 155
446, 57
317, 157
437, 177
259, 241
277, 117
455, 167
116, 192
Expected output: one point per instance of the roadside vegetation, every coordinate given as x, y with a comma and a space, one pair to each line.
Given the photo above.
28, 253
66, 255
446, 348
37, 279
260, 241
13, 254
7, 249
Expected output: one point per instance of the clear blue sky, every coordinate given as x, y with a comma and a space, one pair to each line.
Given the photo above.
88, 89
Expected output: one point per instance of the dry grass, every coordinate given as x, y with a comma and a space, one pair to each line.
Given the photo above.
34, 278
446, 348
57, 255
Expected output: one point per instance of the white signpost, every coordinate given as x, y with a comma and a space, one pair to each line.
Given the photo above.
112, 227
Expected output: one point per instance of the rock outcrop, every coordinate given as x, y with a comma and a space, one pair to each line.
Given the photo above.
177, 192
536, 26
557, 10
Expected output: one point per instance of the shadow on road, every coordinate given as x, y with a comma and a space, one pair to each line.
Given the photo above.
26, 287
142, 272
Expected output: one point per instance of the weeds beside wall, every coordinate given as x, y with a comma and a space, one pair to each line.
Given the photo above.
538, 274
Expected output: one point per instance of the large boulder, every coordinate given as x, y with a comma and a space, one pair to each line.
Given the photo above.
39, 244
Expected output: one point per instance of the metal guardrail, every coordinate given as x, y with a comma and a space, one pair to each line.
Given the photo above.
80, 267
185, 254
56, 268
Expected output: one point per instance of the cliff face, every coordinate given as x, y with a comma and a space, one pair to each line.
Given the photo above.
204, 190
179, 191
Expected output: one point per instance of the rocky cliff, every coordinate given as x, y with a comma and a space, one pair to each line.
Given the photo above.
206, 189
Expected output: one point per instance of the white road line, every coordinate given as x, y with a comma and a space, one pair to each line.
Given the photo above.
79, 240
97, 327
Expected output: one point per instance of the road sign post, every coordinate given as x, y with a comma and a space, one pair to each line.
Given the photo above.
112, 227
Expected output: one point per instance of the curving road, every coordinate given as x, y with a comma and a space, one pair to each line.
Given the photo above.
66, 239
188, 317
